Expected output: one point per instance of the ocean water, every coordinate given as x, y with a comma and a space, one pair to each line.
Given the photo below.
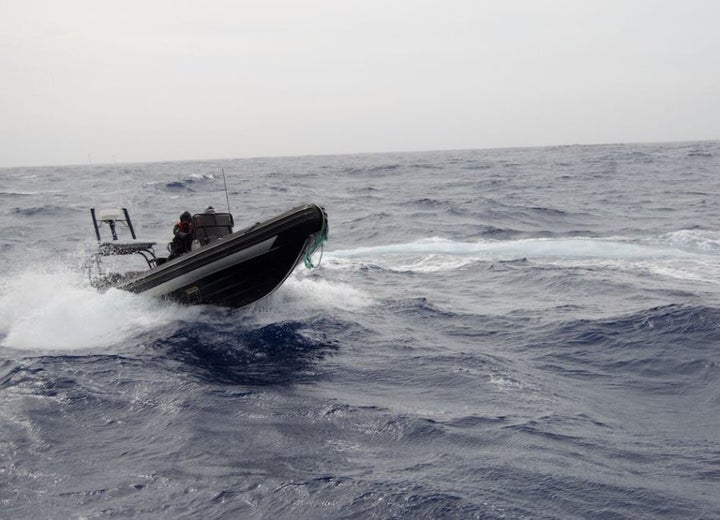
514, 333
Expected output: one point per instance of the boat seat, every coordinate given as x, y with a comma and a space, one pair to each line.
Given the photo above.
209, 227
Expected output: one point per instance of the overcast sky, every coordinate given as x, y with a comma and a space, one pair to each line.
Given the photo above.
150, 80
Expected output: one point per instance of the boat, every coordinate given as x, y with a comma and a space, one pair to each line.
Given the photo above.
225, 268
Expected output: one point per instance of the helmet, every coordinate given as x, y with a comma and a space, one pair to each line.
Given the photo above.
185, 217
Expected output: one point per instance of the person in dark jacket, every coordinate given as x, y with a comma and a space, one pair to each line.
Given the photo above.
183, 236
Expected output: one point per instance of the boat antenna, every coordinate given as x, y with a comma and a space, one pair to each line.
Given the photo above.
227, 199
92, 179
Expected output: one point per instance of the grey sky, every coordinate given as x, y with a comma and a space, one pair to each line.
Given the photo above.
145, 80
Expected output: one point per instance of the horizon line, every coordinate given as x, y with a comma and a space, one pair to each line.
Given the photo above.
338, 154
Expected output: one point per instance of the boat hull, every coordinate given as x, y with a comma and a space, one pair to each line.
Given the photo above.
240, 268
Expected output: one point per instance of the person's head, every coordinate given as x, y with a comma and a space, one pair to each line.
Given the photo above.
210, 209
185, 217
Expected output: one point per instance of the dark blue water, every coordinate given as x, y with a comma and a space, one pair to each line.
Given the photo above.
519, 333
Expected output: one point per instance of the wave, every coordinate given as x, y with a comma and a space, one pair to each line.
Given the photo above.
52, 211
277, 353
19, 193
667, 348
373, 171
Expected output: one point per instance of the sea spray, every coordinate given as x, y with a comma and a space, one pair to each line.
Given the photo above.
56, 309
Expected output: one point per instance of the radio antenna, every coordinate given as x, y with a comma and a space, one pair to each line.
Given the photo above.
117, 182
92, 179
227, 199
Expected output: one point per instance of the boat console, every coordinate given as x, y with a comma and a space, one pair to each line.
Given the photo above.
209, 227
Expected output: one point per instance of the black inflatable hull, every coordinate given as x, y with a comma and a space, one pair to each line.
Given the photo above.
240, 268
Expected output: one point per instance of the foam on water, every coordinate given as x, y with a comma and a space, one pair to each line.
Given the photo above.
685, 255
55, 309
300, 295
52, 307
530, 248
691, 240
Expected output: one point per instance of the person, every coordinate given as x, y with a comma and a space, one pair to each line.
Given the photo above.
182, 236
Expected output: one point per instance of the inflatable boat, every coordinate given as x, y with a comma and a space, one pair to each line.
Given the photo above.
226, 268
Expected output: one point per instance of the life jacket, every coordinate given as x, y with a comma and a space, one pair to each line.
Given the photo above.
185, 227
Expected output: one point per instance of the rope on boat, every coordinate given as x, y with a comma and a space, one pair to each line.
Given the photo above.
318, 243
